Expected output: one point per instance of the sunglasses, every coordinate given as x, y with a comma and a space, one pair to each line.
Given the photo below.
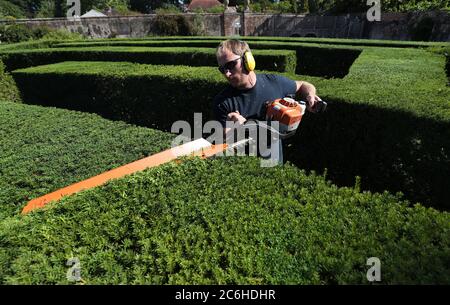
229, 66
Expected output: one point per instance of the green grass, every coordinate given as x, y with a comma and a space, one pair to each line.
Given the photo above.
44, 149
226, 221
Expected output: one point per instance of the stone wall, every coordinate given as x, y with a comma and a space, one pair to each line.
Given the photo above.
400, 26
395, 26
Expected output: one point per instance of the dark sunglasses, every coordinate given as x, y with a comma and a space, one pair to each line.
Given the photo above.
229, 66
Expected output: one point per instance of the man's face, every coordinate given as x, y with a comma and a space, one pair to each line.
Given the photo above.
230, 65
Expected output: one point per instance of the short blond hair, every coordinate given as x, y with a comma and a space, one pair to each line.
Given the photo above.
236, 46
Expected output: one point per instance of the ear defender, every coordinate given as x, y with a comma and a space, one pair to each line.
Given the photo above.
249, 61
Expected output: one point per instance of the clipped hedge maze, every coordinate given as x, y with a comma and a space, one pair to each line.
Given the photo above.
330, 61
224, 221
44, 149
140, 94
386, 136
270, 60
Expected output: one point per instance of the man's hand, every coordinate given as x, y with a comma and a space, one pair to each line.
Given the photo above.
236, 117
308, 92
311, 103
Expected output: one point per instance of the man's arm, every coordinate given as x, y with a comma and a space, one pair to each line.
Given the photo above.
307, 92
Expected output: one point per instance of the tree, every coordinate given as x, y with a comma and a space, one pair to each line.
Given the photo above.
47, 9
10, 9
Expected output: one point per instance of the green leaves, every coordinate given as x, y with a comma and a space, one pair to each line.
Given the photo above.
192, 230
225, 220
52, 148
270, 60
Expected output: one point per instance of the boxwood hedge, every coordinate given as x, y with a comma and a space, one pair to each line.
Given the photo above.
271, 60
147, 95
298, 40
8, 88
226, 221
312, 59
388, 120
44, 149
35, 44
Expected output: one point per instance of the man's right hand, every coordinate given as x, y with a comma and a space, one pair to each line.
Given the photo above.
236, 117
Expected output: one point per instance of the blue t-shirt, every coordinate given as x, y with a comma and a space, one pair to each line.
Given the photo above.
251, 102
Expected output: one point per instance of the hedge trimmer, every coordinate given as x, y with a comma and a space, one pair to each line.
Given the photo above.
286, 111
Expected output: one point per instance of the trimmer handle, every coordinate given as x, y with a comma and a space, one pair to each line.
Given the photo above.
321, 105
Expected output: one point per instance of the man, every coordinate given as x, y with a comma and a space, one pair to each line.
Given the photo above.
246, 96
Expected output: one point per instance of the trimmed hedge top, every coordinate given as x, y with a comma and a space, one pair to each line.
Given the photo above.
302, 40
410, 80
272, 60
226, 221
27, 45
388, 122
277, 45
44, 149
143, 49
125, 69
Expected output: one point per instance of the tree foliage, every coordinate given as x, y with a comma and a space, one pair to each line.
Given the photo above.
57, 8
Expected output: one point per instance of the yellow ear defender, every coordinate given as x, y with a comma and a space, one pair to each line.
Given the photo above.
249, 61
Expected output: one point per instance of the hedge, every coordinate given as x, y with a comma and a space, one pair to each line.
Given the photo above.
226, 221
271, 60
44, 149
8, 88
300, 40
35, 44
316, 60
390, 136
390, 122
146, 95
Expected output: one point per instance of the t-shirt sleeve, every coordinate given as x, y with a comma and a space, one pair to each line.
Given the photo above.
287, 85
220, 111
